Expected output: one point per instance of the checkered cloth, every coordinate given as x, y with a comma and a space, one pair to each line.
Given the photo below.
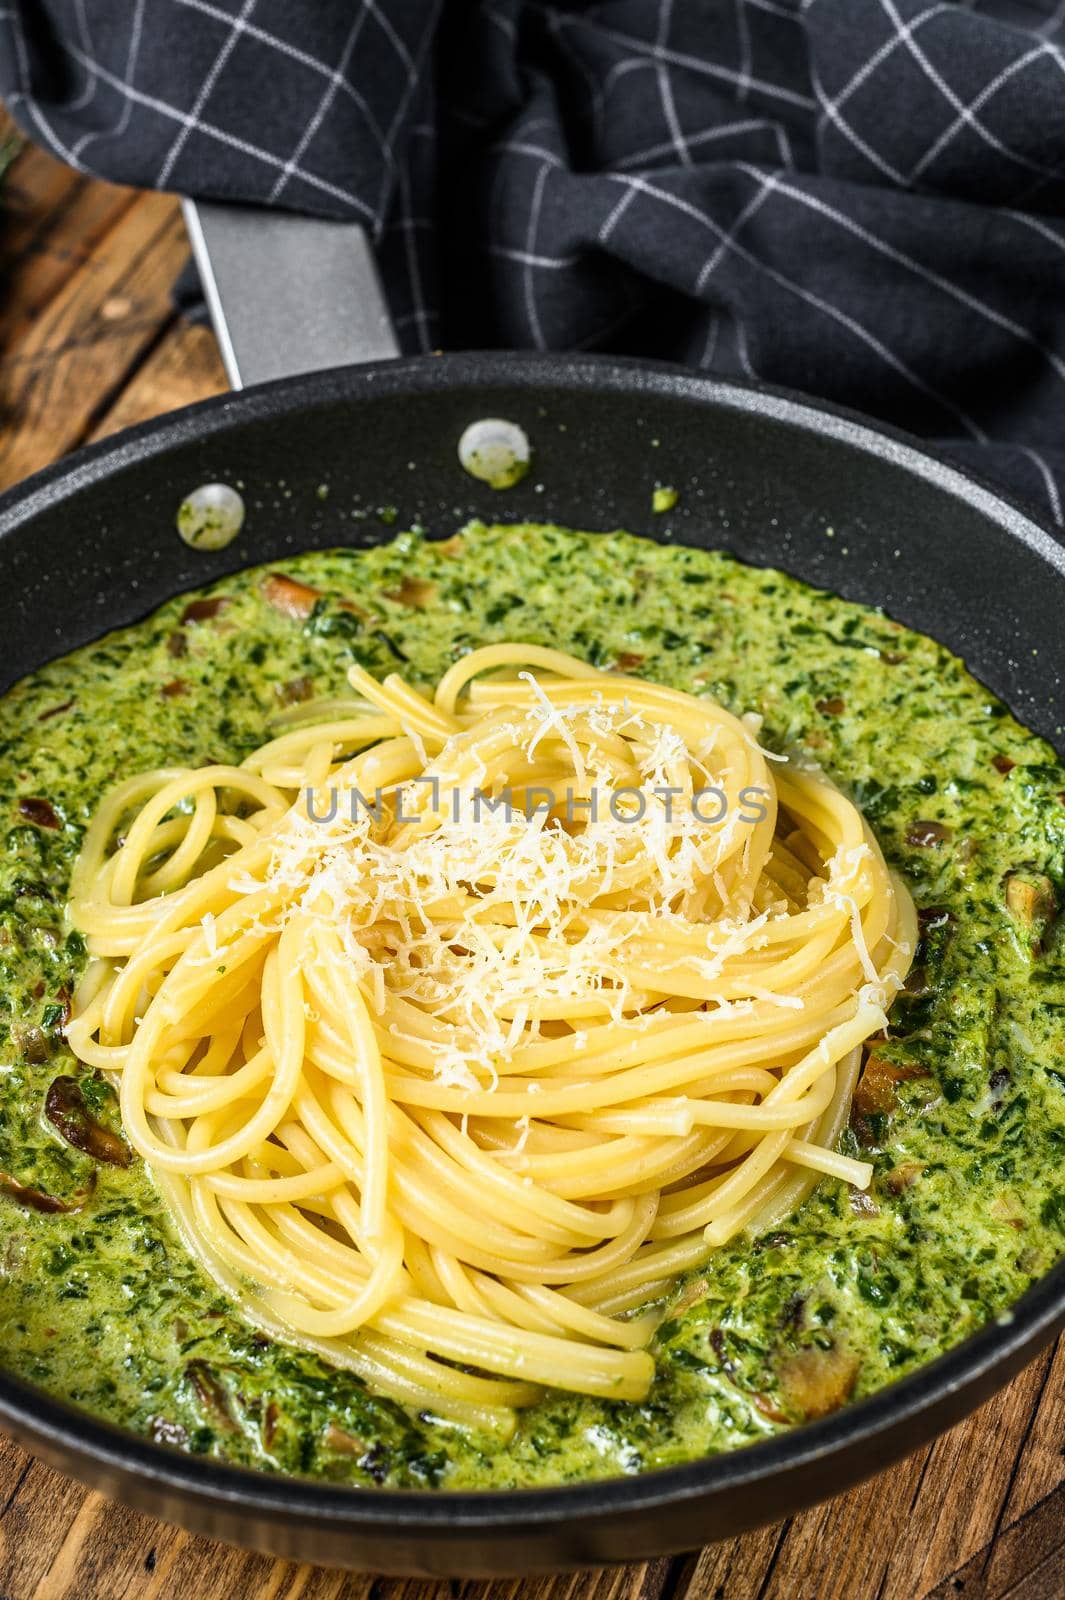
864, 199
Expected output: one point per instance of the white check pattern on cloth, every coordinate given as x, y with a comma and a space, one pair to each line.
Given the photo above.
864, 199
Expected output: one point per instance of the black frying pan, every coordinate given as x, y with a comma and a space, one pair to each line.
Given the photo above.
90, 545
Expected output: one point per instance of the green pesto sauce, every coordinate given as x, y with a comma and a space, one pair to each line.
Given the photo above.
104, 1307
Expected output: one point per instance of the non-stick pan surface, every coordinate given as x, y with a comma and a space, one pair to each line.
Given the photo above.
91, 545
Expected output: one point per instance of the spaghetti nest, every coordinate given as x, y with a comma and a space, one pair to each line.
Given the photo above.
453, 1029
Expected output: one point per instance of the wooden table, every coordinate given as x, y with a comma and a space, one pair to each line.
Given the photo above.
89, 342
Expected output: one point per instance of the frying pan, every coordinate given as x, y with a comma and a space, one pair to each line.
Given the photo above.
90, 545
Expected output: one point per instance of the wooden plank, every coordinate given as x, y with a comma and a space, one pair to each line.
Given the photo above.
1026, 1560
59, 1541
109, 1553
52, 220
33, 1527
1040, 1468
14, 1465
966, 1485
184, 367
76, 356
35, 187
737, 1568
62, 245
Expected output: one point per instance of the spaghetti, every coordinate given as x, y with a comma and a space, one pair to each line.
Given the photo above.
454, 1029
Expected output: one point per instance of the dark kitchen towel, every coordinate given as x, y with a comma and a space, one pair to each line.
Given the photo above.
864, 199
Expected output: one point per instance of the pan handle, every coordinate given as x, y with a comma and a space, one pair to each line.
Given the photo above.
288, 294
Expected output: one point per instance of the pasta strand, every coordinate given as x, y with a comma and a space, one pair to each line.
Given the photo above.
453, 1029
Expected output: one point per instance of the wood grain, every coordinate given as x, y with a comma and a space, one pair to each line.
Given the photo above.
63, 369
88, 344
49, 234
184, 366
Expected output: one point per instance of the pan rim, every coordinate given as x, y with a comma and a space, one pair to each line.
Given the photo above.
1015, 1336
206, 419
914, 1401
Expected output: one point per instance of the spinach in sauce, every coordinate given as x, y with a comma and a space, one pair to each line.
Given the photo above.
962, 1109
